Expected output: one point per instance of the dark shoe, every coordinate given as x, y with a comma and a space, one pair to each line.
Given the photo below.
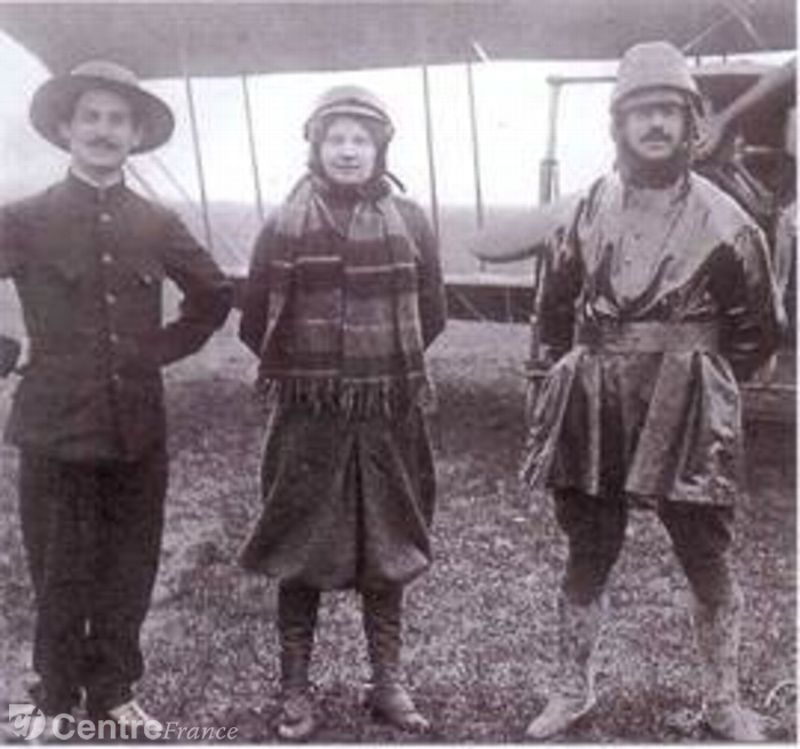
392, 703
55, 701
297, 720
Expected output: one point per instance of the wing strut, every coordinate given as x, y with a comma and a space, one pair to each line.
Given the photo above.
426, 93
198, 152
476, 155
220, 238
248, 112
548, 167
198, 159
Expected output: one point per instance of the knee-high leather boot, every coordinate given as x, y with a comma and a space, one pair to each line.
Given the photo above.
574, 695
388, 698
297, 620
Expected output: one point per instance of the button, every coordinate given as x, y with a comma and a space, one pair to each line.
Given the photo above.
111, 298
105, 218
114, 338
116, 378
107, 258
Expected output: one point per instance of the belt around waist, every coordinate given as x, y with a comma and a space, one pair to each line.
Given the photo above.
649, 337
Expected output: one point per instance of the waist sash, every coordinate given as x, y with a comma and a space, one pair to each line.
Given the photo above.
648, 337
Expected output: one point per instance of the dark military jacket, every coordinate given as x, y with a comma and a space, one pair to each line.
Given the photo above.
88, 265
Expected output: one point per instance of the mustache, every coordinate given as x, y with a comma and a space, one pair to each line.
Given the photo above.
105, 142
656, 135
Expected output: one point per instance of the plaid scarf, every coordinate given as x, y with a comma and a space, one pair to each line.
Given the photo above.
343, 328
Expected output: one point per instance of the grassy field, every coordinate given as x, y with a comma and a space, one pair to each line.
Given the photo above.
480, 625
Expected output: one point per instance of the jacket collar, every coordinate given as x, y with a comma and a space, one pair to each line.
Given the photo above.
82, 189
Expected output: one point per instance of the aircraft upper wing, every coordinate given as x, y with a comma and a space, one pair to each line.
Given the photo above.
162, 40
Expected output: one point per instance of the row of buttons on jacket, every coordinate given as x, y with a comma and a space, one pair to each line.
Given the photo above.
107, 260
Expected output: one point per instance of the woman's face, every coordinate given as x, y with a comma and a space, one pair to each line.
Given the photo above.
347, 152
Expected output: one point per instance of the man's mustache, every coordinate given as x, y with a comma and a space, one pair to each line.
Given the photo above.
104, 142
657, 136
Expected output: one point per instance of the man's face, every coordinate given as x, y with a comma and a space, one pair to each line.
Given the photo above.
347, 152
101, 133
653, 124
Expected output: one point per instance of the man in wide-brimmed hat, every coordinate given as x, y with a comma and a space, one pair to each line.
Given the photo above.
88, 256
661, 297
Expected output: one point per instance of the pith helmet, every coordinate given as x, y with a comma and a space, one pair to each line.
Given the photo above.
653, 65
54, 102
354, 101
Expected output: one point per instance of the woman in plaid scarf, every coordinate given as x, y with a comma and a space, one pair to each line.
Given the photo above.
344, 294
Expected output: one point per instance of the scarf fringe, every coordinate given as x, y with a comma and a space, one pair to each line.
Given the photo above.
354, 399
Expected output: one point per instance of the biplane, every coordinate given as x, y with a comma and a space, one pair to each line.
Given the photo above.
241, 40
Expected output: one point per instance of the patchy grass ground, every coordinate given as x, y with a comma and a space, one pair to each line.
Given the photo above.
480, 626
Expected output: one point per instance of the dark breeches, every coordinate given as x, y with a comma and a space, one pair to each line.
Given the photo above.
595, 527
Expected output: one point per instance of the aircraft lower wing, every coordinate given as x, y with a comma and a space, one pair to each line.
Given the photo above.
489, 297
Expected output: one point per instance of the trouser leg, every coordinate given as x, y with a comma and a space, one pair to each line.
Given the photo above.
595, 529
297, 620
55, 500
129, 522
702, 536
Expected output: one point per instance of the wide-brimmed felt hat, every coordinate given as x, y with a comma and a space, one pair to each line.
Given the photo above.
54, 102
